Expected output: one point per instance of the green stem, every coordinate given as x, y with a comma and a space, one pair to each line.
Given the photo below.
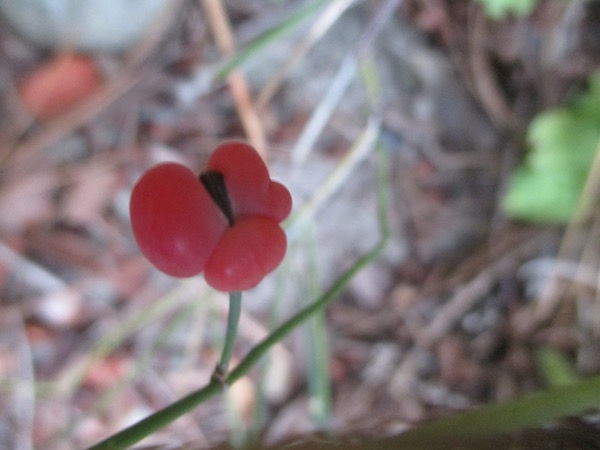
284, 329
490, 422
145, 427
160, 419
235, 308
270, 36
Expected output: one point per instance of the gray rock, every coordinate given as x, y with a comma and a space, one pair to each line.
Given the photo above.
90, 25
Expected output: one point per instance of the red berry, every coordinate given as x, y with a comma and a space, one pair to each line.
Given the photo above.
181, 230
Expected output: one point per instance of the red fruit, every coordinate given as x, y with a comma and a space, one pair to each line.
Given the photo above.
59, 84
181, 230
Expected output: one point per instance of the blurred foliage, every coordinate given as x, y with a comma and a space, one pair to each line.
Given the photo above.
555, 368
497, 9
548, 185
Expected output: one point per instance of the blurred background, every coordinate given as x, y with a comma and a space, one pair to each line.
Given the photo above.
485, 291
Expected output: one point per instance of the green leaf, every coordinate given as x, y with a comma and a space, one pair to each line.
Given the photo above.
588, 105
555, 368
548, 185
498, 9
563, 140
542, 196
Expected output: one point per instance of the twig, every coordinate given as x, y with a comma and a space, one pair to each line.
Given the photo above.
221, 28
485, 84
340, 83
466, 297
319, 28
29, 155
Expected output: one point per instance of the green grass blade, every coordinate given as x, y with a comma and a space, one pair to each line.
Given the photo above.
532, 411
270, 36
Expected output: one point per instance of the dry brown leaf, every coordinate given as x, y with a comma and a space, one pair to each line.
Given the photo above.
57, 85
93, 188
27, 200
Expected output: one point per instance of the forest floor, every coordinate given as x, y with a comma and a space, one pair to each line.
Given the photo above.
457, 312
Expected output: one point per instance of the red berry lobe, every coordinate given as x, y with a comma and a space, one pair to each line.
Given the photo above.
251, 190
247, 252
175, 222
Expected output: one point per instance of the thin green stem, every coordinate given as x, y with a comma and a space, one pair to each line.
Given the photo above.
145, 427
271, 36
160, 419
283, 330
321, 303
235, 308
317, 352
